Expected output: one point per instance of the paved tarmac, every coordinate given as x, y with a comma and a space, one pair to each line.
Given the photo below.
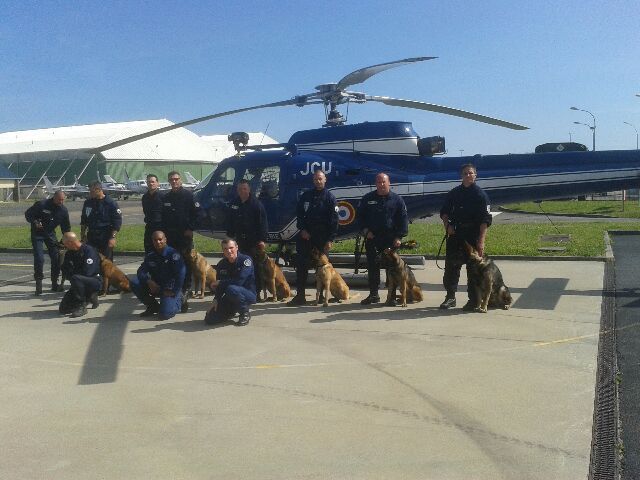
304, 393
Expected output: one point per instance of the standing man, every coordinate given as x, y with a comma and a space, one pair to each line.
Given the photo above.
103, 218
152, 208
44, 216
161, 275
247, 224
235, 287
466, 215
82, 266
179, 219
317, 220
383, 221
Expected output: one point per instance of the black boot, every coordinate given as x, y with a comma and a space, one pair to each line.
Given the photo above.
372, 298
38, 286
80, 311
94, 300
55, 287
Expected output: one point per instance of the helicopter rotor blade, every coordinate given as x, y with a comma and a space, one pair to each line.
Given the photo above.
168, 128
396, 102
363, 74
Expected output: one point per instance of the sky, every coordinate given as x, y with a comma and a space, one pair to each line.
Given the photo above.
84, 62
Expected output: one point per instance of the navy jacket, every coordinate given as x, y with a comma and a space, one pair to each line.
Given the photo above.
50, 216
385, 216
317, 213
247, 221
238, 273
467, 207
152, 208
84, 261
179, 212
166, 268
101, 215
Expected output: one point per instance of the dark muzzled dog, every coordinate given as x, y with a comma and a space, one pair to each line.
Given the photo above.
328, 280
203, 274
401, 277
486, 278
271, 278
112, 275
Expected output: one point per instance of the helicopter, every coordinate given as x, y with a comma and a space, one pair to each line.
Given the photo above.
351, 155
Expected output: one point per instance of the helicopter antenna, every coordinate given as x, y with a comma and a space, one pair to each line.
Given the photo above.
264, 134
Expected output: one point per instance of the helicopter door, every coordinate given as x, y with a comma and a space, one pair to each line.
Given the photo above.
221, 192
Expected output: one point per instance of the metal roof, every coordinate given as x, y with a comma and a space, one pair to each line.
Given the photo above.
6, 174
177, 145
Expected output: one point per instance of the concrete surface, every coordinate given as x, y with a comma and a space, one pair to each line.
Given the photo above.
304, 393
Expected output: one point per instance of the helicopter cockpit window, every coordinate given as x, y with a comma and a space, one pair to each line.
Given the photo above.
223, 182
269, 183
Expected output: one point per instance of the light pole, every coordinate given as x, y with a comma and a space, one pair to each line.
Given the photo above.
586, 125
593, 128
636, 132
461, 150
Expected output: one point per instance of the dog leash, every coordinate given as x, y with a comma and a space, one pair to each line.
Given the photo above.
440, 250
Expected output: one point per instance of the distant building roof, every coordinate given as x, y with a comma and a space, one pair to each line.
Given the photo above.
6, 174
177, 145
224, 148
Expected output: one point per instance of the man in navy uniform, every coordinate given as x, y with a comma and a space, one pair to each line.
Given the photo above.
82, 267
234, 288
466, 215
152, 208
179, 220
317, 220
45, 216
247, 224
384, 221
161, 275
102, 217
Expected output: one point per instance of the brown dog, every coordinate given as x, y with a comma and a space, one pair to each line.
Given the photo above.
272, 278
203, 273
328, 279
112, 275
400, 276
486, 277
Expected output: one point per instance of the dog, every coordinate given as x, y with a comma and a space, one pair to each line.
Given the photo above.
328, 279
203, 273
486, 277
271, 278
400, 276
112, 275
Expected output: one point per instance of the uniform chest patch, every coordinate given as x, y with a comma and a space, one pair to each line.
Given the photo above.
89, 261
197, 204
87, 211
176, 256
247, 262
372, 202
234, 207
167, 204
223, 271
46, 211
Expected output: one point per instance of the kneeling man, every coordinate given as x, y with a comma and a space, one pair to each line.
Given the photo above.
82, 266
235, 287
160, 275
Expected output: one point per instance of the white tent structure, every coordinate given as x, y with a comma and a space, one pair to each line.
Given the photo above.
62, 153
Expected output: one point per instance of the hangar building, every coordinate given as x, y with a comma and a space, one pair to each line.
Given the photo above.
62, 153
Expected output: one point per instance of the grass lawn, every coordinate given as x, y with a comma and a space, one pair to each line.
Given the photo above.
587, 239
609, 208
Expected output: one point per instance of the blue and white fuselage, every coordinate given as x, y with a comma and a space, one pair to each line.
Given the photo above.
352, 155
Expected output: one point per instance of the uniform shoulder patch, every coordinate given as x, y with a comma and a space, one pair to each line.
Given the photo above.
337, 209
488, 208
197, 204
89, 261
247, 262
119, 211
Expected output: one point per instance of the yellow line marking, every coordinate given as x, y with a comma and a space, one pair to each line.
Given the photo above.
14, 265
